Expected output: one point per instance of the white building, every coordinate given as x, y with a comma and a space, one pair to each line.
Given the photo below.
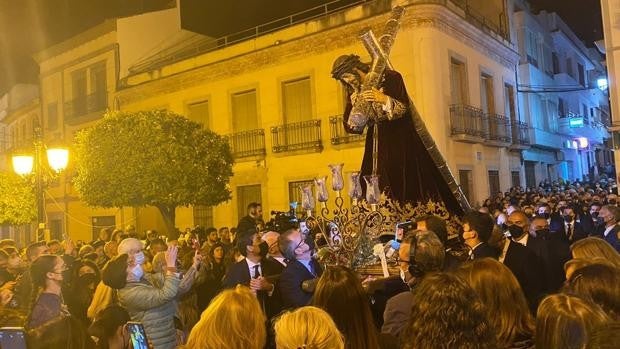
559, 98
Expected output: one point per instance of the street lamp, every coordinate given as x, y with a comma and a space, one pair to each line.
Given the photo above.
25, 164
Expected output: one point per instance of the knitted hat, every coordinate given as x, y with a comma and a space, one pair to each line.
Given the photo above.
114, 273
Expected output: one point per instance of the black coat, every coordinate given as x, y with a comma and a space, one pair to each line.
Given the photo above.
291, 279
406, 170
239, 274
526, 267
484, 250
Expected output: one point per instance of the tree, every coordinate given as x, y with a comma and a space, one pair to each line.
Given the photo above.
17, 200
155, 158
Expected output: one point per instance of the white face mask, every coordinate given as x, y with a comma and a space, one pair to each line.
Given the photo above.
137, 272
139, 258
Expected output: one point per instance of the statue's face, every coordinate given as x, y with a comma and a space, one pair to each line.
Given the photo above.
353, 80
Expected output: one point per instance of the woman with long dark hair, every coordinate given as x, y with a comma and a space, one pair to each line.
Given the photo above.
339, 292
47, 274
504, 301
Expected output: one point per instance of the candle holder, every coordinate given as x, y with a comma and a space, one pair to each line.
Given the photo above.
307, 199
321, 190
337, 180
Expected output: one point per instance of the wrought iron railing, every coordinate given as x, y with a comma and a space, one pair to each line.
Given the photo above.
520, 133
83, 105
338, 135
305, 135
247, 143
467, 120
499, 128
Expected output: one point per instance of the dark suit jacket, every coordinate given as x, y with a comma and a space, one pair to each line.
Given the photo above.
291, 279
484, 250
526, 267
239, 274
612, 237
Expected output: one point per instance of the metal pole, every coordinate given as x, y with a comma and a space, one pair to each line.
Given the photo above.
38, 171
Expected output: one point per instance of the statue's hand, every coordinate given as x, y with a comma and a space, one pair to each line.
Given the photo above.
374, 95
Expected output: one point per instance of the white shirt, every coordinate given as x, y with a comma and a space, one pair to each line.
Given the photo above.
251, 268
471, 250
608, 230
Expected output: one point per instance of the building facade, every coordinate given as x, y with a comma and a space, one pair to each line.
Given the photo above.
560, 100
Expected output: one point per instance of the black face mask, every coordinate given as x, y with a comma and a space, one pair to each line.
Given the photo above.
88, 279
264, 249
568, 218
594, 215
545, 215
515, 231
543, 233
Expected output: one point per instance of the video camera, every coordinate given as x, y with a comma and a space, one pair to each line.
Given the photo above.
282, 221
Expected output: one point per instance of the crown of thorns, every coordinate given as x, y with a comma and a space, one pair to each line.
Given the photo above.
344, 64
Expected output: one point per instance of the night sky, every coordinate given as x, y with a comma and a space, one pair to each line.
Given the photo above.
27, 26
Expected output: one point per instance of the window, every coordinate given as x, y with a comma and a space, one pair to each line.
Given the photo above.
98, 81
532, 48
199, 112
203, 216
516, 179
556, 63
569, 67
458, 82
582, 76
78, 79
561, 107
467, 183
297, 100
294, 192
56, 229
52, 116
493, 182
247, 194
101, 222
244, 111
487, 100
547, 60
530, 174
509, 102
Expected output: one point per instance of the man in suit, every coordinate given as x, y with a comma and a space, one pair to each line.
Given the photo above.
297, 249
610, 214
257, 272
524, 264
573, 229
477, 228
556, 253
592, 223
420, 253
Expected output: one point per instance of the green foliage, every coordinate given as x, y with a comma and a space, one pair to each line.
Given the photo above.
155, 158
17, 199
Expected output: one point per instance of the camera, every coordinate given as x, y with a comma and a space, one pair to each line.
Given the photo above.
282, 221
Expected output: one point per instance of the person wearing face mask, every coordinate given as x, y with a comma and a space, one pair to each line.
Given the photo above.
556, 253
573, 229
257, 272
421, 253
477, 228
153, 306
610, 230
47, 275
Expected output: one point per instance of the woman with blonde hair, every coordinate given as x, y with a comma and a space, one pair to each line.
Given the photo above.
307, 327
233, 320
564, 321
593, 247
505, 304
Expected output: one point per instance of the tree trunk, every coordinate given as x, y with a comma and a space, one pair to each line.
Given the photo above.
169, 214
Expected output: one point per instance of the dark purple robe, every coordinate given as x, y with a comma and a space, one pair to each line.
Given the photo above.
406, 170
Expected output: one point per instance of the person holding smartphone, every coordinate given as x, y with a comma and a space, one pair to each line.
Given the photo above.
153, 306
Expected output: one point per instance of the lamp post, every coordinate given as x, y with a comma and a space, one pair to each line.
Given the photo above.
25, 164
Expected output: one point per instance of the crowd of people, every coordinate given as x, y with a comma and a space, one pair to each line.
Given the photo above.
542, 271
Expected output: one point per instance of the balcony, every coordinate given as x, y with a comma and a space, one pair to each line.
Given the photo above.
298, 136
248, 144
581, 126
80, 109
468, 123
338, 135
520, 135
499, 130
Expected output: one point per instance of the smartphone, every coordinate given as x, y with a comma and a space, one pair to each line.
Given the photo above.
13, 337
137, 335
